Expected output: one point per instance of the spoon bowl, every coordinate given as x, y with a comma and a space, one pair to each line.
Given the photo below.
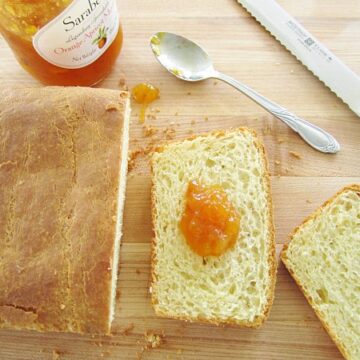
181, 57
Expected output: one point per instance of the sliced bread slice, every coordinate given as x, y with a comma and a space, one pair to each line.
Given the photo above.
323, 257
238, 286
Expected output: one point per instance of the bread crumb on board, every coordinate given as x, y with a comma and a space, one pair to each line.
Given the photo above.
277, 162
122, 83
98, 343
56, 354
135, 154
105, 354
267, 130
309, 201
295, 154
127, 329
151, 117
153, 340
132, 159
169, 133
152, 136
149, 130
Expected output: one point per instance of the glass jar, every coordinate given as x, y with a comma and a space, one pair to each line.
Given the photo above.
63, 42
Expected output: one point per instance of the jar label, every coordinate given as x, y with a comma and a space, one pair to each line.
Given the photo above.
79, 35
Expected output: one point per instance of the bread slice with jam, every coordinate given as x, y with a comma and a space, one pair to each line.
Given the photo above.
233, 286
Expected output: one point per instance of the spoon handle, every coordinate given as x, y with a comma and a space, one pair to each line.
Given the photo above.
313, 135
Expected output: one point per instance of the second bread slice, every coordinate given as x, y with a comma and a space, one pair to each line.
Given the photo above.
238, 286
323, 257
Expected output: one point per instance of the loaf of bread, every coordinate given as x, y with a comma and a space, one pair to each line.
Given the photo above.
323, 257
63, 164
238, 286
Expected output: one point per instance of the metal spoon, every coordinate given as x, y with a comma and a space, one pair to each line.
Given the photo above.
188, 61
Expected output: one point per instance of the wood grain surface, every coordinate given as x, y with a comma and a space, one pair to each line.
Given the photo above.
241, 48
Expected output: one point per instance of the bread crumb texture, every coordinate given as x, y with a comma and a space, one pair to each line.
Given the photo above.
59, 186
323, 256
236, 287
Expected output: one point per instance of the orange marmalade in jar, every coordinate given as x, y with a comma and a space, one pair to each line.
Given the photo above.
63, 42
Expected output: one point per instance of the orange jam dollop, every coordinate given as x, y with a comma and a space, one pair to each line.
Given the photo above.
144, 94
210, 222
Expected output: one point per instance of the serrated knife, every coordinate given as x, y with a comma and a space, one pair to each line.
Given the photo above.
306, 48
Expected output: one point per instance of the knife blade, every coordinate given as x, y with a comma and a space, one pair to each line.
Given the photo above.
308, 50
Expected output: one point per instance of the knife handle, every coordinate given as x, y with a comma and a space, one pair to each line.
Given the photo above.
316, 137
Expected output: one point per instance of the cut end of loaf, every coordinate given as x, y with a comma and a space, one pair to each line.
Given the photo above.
323, 258
120, 207
238, 286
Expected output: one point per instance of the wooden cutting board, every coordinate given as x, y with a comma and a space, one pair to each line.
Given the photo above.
241, 48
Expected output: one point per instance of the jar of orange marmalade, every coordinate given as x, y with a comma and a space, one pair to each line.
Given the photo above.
63, 42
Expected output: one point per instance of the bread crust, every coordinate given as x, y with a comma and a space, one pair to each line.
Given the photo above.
59, 174
284, 259
271, 241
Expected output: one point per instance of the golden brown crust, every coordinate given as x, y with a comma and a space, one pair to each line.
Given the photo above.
271, 242
284, 259
212, 321
59, 171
